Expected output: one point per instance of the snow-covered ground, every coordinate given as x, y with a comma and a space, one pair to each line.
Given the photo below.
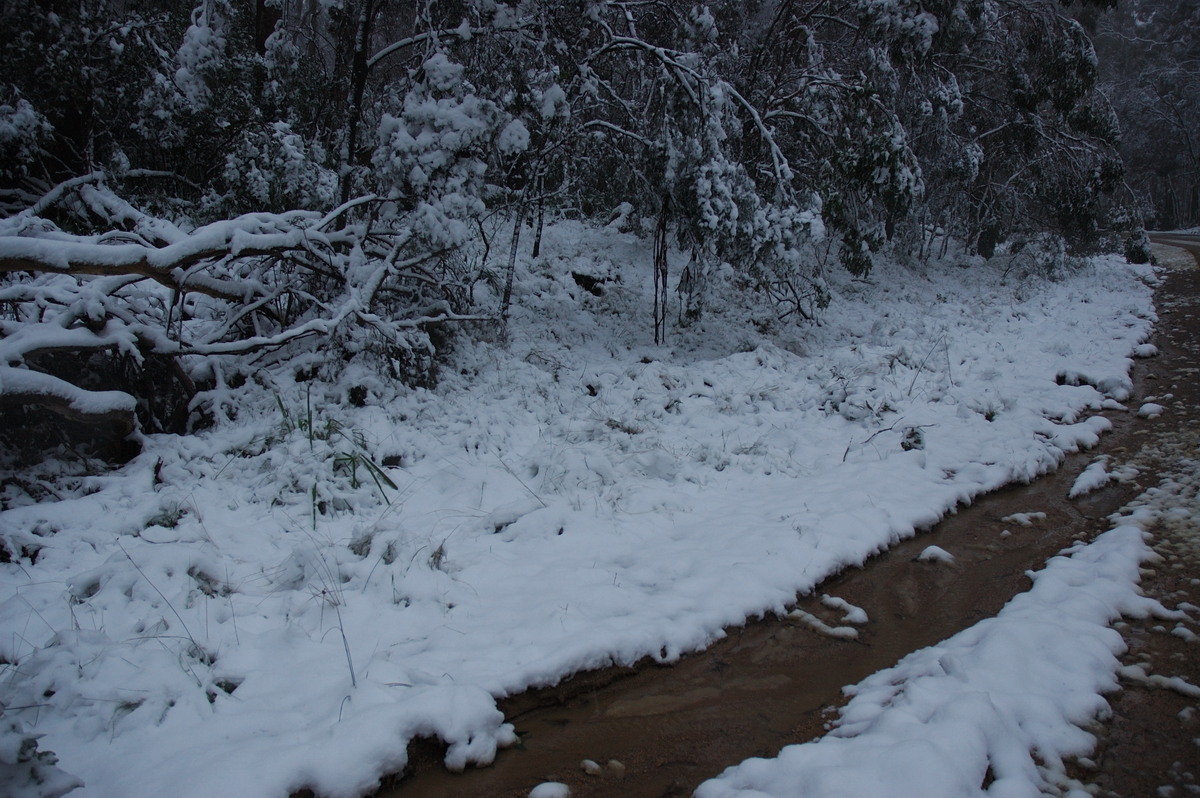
996, 709
993, 711
254, 610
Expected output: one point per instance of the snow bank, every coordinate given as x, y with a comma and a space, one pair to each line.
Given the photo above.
580, 498
999, 704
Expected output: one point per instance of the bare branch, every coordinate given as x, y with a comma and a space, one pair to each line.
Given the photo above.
600, 123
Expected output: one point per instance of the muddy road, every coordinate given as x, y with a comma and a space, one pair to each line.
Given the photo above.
1151, 745
658, 731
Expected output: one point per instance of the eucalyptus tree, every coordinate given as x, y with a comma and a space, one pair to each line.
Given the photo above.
1150, 62
194, 193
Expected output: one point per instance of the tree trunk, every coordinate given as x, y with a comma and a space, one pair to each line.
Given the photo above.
506, 300
265, 19
358, 85
541, 213
660, 274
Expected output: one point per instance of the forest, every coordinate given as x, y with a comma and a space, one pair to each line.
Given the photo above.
192, 192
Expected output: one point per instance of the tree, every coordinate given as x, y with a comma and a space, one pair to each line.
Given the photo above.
1150, 61
191, 189
100, 292
1001, 103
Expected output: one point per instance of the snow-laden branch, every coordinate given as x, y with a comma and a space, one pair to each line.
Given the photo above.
55, 194
779, 162
244, 237
687, 77
21, 341
463, 31
22, 386
345, 208
236, 287
602, 124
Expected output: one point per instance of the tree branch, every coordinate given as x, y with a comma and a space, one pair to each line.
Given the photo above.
22, 386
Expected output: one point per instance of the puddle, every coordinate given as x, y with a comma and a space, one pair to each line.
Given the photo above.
659, 731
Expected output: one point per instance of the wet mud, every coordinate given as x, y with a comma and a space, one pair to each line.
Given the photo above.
1151, 744
659, 731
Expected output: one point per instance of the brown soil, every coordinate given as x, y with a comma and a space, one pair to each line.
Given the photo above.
659, 731
1151, 745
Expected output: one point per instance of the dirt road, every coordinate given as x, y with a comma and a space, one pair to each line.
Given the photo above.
1167, 241
1151, 746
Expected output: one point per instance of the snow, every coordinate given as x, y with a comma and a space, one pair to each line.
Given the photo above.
1150, 410
1185, 634
202, 50
1024, 519
1138, 673
514, 138
935, 554
1097, 475
441, 73
815, 623
554, 102
853, 614
1006, 697
576, 499
1091, 478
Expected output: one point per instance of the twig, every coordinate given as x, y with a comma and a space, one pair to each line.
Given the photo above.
160, 593
932, 349
518, 479
872, 436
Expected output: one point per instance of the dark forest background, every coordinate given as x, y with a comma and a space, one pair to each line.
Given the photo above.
191, 191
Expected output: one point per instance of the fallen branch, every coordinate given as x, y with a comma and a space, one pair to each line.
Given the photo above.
25, 387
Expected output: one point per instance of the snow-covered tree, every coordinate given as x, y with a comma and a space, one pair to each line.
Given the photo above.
1001, 108
103, 290
1150, 61
187, 187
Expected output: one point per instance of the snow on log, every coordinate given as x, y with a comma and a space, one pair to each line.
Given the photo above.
33, 387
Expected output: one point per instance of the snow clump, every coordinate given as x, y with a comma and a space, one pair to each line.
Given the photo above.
935, 554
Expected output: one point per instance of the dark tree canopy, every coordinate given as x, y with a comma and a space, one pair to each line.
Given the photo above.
1150, 67
189, 188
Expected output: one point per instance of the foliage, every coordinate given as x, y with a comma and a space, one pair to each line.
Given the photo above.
224, 187
1150, 66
